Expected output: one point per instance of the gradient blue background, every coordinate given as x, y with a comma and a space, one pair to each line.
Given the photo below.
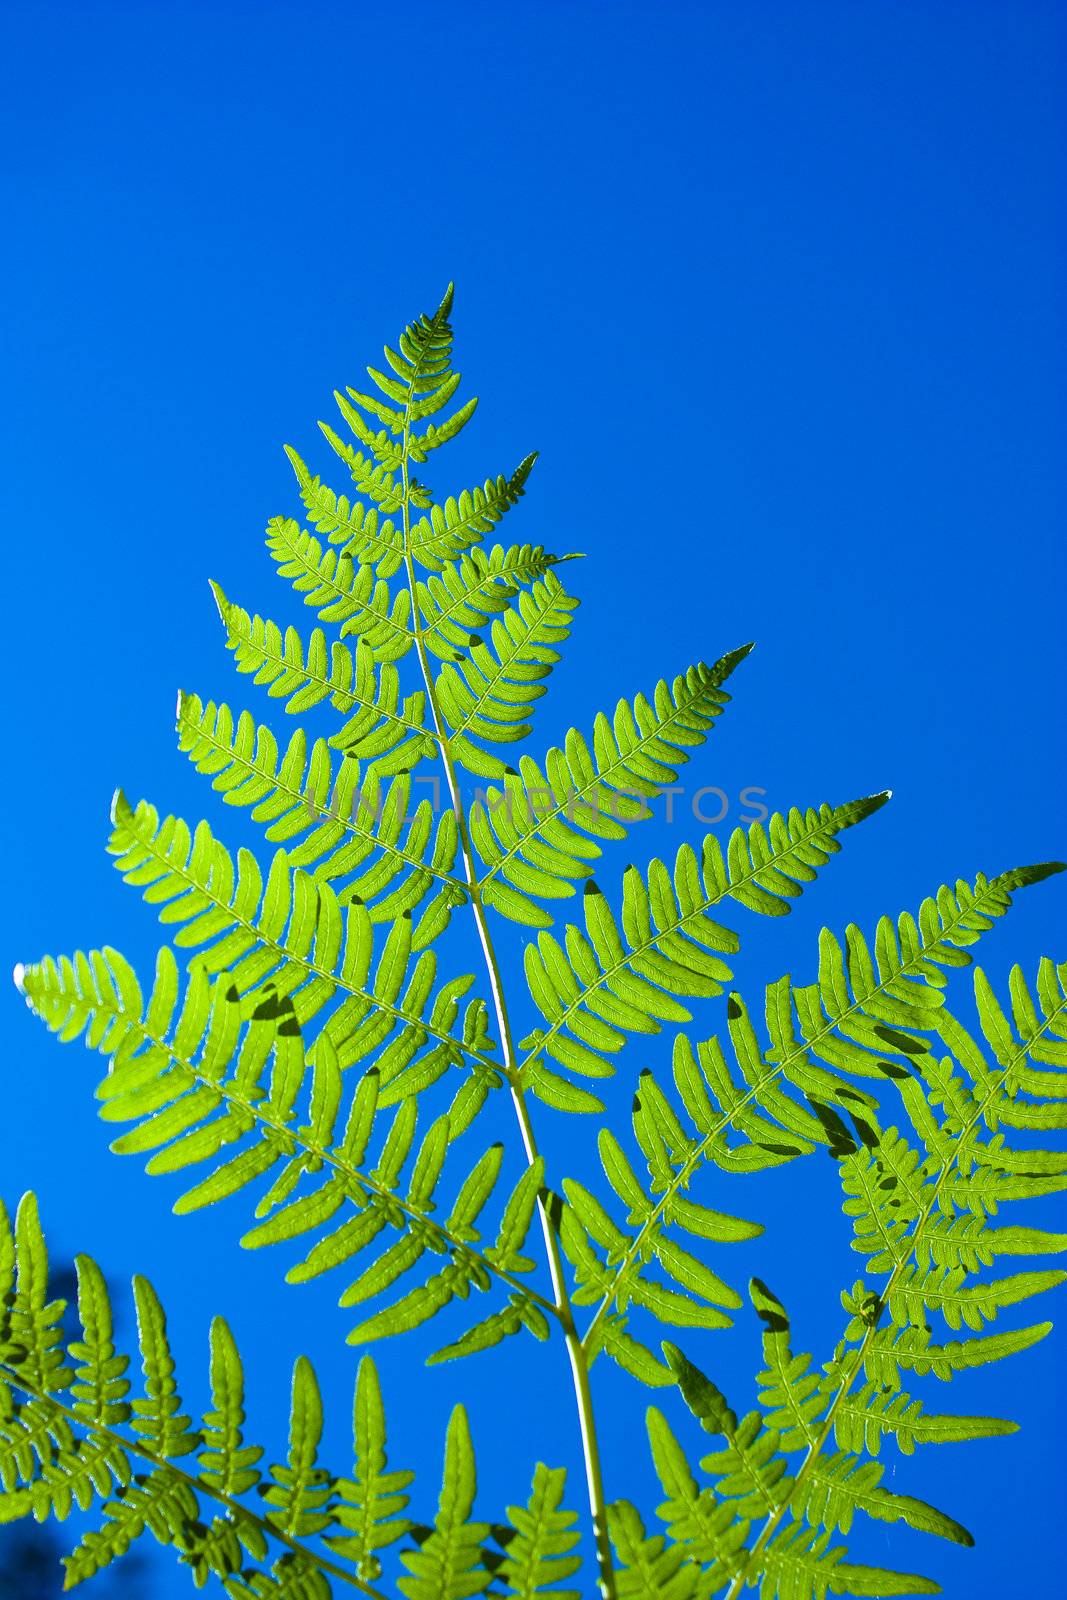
777, 291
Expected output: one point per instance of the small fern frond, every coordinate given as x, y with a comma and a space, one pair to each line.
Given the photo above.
486, 691
300, 1492
32, 1323
539, 1541
351, 827
424, 383
847, 1027
449, 531
363, 684
537, 834
650, 1568
204, 1085
922, 1249
68, 1437
100, 1387
358, 597
802, 1564
610, 981
706, 1527
448, 1563
456, 604
366, 539
227, 1465
289, 939
868, 1414
158, 1419
369, 1506
905, 1203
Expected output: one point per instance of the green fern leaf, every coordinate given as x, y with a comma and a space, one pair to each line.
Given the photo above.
711, 1533
535, 832
362, 684
448, 1563
300, 1493
100, 1386
366, 539
650, 1568
158, 1419
348, 823
486, 691
227, 1464
539, 1541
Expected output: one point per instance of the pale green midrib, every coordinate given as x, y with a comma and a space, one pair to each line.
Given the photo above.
697, 1157
663, 933
1020, 1053
262, 648
563, 1308
299, 1136
301, 799
235, 1507
601, 778
310, 966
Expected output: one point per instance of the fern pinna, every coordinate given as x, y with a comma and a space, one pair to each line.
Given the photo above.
305, 1049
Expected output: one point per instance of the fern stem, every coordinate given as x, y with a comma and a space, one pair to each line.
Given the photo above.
575, 1350
17, 1380
697, 1156
854, 1367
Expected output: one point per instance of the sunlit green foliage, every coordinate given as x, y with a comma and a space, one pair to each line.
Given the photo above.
307, 1051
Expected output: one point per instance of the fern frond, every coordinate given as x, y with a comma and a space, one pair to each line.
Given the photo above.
424, 383
923, 1253
708, 1528
204, 1085
159, 1502
650, 1568
456, 605
486, 691
610, 981
366, 539
369, 1505
300, 1492
376, 482
289, 942
448, 1563
32, 1323
238, 1073
451, 529
158, 1419
100, 1385
227, 1464
801, 1564
539, 1541
835, 1020
346, 823
341, 590
68, 1437
865, 1415
537, 834
363, 684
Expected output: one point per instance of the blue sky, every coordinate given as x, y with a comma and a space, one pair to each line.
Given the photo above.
776, 291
